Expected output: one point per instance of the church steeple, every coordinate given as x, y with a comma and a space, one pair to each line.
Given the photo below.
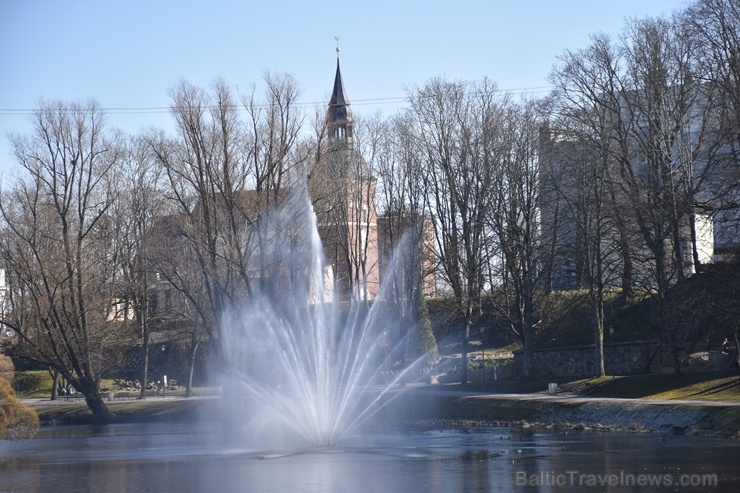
339, 115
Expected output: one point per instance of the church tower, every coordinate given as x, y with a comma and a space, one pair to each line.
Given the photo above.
343, 193
339, 116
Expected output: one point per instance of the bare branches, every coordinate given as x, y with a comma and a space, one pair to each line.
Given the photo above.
59, 251
225, 175
477, 155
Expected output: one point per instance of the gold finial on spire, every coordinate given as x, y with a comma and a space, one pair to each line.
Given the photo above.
336, 38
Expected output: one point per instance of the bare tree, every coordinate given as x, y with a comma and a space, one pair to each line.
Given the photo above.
650, 127
363, 213
714, 26
403, 202
514, 219
405, 234
59, 244
663, 124
204, 168
273, 127
579, 160
141, 202
274, 162
225, 176
455, 125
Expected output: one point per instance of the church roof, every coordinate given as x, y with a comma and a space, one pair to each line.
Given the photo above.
339, 110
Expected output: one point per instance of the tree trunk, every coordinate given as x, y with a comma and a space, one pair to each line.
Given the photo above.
54, 384
464, 362
101, 413
527, 353
675, 357
144, 363
528, 324
627, 267
599, 337
694, 249
661, 297
666, 330
677, 254
553, 249
191, 369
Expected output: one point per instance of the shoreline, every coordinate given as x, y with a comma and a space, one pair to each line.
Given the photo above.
430, 405
716, 419
683, 421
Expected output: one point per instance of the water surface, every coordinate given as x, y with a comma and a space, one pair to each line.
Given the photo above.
177, 458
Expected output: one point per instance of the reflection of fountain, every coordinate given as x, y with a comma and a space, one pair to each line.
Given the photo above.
299, 362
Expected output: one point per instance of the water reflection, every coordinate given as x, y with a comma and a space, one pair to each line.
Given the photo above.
162, 458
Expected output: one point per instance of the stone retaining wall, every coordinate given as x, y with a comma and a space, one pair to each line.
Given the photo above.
624, 358
487, 375
628, 358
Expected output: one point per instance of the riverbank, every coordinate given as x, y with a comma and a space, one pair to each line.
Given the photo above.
150, 410
450, 407
579, 413
702, 405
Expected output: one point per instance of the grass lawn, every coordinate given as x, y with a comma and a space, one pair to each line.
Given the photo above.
694, 386
32, 383
440, 405
37, 384
149, 410
723, 386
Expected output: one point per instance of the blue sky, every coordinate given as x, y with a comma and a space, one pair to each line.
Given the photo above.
128, 54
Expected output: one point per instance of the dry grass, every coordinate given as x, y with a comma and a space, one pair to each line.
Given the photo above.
149, 410
695, 386
17, 420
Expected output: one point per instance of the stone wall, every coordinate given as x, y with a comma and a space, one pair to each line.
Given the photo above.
625, 358
487, 375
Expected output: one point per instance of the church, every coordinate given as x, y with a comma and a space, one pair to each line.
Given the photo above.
342, 190
357, 242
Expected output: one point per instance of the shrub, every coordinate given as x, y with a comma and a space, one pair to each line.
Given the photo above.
16, 419
7, 369
27, 383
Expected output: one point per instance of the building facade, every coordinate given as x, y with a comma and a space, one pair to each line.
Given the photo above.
574, 213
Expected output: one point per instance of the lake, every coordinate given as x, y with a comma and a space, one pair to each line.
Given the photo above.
179, 458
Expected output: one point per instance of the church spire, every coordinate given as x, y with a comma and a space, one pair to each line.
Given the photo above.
339, 115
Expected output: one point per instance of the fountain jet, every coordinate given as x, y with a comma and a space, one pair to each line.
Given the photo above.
299, 359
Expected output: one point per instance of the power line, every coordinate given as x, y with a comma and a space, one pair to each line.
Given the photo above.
146, 110
166, 109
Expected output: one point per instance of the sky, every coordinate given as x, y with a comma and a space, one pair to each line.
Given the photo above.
127, 55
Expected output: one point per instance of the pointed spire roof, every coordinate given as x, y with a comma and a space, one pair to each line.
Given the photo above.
339, 110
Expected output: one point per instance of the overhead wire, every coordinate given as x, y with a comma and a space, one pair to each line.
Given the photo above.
144, 110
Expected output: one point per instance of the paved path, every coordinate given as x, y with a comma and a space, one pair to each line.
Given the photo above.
612, 400
45, 401
577, 398
432, 390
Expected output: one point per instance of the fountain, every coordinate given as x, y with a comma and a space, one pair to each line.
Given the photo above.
298, 363
301, 368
